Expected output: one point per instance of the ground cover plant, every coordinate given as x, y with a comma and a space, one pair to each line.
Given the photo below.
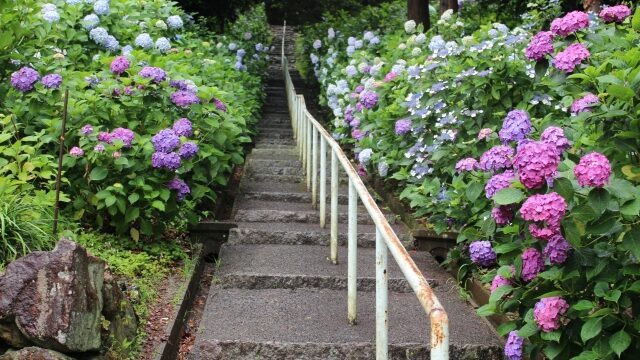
524, 141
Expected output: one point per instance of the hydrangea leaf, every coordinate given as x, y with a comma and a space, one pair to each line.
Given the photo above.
619, 342
508, 196
590, 329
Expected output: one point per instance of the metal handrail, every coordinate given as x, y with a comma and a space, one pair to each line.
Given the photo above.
312, 139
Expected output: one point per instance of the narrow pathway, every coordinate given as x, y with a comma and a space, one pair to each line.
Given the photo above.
274, 294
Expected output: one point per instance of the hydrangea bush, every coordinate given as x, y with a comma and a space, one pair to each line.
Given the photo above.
522, 140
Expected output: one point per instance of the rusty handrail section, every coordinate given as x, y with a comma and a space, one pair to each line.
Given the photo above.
312, 141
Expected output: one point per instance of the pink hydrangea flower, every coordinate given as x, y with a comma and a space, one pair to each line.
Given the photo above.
390, 76
536, 163
467, 164
572, 56
499, 281
119, 65
532, 264
555, 136
593, 169
570, 23
484, 133
541, 44
502, 214
615, 13
584, 103
548, 313
496, 158
544, 208
76, 152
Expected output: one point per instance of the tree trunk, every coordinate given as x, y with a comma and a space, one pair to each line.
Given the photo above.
450, 4
591, 5
418, 11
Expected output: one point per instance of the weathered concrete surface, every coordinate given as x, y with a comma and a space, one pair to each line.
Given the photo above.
55, 298
34, 353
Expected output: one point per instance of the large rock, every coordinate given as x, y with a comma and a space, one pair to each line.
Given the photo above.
123, 322
55, 298
11, 335
34, 353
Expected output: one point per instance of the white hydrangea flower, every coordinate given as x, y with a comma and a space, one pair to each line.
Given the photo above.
259, 47
101, 7
351, 71
144, 41
467, 40
364, 156
351, 41
73, 2
174, 22
447, 15
317, 44
331, 33
402, 46
233, 46
163, 44
161, 25
350, 50
127, 50
420, 39
416, 51
314, 58
368, 35
358, 44
410, 26
48, 8
247, 35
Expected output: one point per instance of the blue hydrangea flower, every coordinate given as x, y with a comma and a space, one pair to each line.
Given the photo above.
174, 22
99, 35
233, 46
188, 150
90, 21
163, 44
112, 44
51, 16
516, 126
101, 7
241, 53
127, 50
165, 141
144, 41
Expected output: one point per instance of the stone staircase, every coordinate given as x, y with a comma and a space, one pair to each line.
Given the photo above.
275, 295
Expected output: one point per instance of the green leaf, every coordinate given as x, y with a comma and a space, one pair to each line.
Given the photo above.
563, 187
583, 305
590, 329
583, 213
98, 174
132, 214
599, 199
474, 190
631, 208
135, 234
133, 198
528, 330
552, 350
158, 205
635, 22
551, 336
506, 328
621, 92
506, 248
487, 310
573, 231
500, 292
508, 196
110, 200
631, 242
619, 342
587, 355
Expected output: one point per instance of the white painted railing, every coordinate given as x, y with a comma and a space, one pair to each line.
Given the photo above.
312, 140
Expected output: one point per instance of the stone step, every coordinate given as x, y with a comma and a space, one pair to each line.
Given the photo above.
307, 234
283, 142
298, 216
273, 135
306, 266
273, 152
312, 324
282, 130
296, 179
292, 197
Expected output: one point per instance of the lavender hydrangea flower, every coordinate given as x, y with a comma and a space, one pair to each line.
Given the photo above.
498, 182
112, 44
532, 264
499, 281
50, 16
541, 44
174, 22
357, 134
536, 163
24, 79
188, 150
571, 57
170, 161
99, 148
90, 21
157, 74
502, 214
220, 105
165, 141
593, 170
555, 136
181, 188
76, 152
101, 7
119, 65
184, 98
183, 127
364, 156
104, 137
86, 130
570, 23
125, 135
383, 168
513, 346
516, 126
547, 313
615, 13
317, 44
163, 44
496, 158
402, 126
144, 41
557, 249
584, 103
52, 81
467, 164
482, 253
369, 99
484, 133
99, 35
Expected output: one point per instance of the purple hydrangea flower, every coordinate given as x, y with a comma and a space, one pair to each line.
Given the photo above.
104, 137
555, 136
557, 249
99, 148
157, 74
532, 264
547, 208
76, 152
403, 126
170, 161
571, 57
498, 182
513, 346
52, 81
584, 103
593, 169
502, 214
188, 150
125, 135
165, 141
362, 171
24, 79
128, 90
181, 188
184, 98
220, 105
548, 312
369, 99
119, 65
570, 23
182, 127
390, 76
482, 253
496, 158
499, 281
86, 130
541, 44
467, 164
516, 126
536, 163
615, 13
357, 134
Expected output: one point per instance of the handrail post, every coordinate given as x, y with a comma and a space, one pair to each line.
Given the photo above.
323, 182
382, 299
314, 175
309, 141
352, 254
334, 208
284, 34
